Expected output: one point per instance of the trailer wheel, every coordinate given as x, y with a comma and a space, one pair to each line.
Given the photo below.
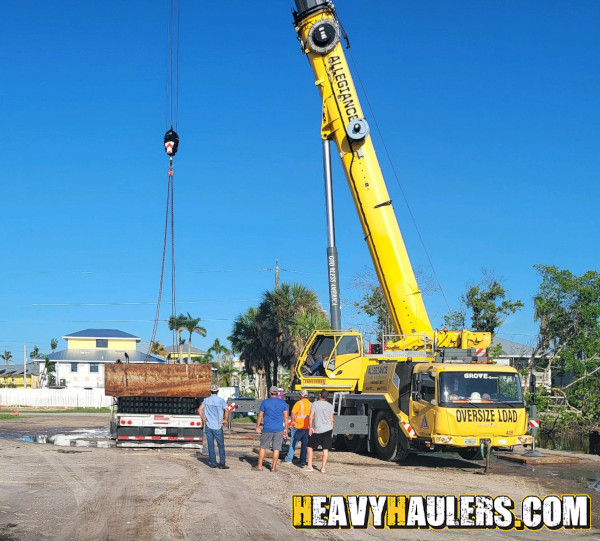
386, 437
470, 453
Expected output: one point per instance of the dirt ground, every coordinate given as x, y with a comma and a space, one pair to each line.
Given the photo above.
49, 492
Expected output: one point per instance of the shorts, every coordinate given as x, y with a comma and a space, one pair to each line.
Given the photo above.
324, 439
271, 440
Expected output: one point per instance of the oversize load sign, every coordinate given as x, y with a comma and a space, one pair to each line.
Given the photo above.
439, 511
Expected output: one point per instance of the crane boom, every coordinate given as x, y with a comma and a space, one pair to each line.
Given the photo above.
343, 122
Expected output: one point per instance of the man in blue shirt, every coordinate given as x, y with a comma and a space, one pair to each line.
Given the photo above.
214, 413
275, 413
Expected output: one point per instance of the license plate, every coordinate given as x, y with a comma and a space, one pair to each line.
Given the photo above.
160, 431
469, 441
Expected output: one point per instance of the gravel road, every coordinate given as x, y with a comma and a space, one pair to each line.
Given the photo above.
82, 493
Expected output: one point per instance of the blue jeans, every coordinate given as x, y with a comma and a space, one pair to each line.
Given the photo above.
298, 435
212, 435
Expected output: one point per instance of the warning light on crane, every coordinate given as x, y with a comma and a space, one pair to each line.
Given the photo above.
171, 142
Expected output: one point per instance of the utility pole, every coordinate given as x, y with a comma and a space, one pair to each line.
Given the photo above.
276, 274
24, 366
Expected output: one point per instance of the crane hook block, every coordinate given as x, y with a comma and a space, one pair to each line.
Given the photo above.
357, 130
171, 142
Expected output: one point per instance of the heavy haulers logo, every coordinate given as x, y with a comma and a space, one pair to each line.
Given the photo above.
437, 511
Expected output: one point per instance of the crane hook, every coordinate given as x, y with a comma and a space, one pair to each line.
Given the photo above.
171, 142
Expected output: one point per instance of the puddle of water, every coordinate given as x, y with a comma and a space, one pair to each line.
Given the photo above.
588, 478
67, 440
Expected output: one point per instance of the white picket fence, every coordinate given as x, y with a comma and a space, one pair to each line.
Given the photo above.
55, 398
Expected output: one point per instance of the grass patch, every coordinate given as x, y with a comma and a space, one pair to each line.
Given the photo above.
245, 419
9, 417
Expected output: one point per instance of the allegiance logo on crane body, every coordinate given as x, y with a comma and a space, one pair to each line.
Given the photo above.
341, 83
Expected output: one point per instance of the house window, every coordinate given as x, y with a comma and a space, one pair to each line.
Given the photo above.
101, 342
94, 367
73, 367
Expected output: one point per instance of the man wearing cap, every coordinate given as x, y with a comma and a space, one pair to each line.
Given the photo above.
300, 413
215, 414
274, 411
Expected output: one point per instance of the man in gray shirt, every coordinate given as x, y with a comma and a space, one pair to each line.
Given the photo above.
320, 430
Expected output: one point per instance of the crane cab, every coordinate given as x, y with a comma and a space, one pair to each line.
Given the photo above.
332, 360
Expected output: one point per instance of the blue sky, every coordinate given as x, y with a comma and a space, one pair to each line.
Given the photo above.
489, 111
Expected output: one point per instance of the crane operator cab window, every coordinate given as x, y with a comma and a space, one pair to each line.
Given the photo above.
328, 353
423, 387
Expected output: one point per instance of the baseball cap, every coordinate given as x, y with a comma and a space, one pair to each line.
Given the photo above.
273, 390
214, 387
303, 392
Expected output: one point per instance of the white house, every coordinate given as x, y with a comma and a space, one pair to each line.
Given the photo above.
81, 365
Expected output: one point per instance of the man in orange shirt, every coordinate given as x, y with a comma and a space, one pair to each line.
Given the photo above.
300, 413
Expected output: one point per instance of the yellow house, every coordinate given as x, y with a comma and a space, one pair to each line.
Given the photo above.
13, 375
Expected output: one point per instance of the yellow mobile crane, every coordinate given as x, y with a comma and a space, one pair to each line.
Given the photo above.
428, 389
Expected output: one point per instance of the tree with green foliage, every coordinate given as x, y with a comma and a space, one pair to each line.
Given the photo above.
274, 333
177, 324
374, 305
191, 325
53, 345
35, 352
207, 358
218, 349
226, 372
567, 310
488, 304
7, 356
245, 340
49, 369
455, 319
279, 314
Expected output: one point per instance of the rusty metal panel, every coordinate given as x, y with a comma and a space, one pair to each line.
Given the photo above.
185, 380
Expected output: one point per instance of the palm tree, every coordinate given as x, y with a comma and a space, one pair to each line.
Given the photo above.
35, 352
7, 356
218, 349
245, 340
207, 358
225, 373
53, 345
50, 367
287, 314
190, 324
176, 323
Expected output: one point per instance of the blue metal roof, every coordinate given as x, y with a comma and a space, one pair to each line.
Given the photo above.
102, 355
102, 333
17, 369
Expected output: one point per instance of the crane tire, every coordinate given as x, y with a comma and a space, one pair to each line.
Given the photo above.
386, 437
470, 453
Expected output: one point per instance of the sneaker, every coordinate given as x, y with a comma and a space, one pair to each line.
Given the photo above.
223, 467
213, 465
285, 461
256, 468
323, 470
306, 468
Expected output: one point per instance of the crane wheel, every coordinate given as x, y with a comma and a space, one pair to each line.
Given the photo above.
355, 443
470, 453
386, 437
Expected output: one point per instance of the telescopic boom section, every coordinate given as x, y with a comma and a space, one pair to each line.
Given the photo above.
343, 122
